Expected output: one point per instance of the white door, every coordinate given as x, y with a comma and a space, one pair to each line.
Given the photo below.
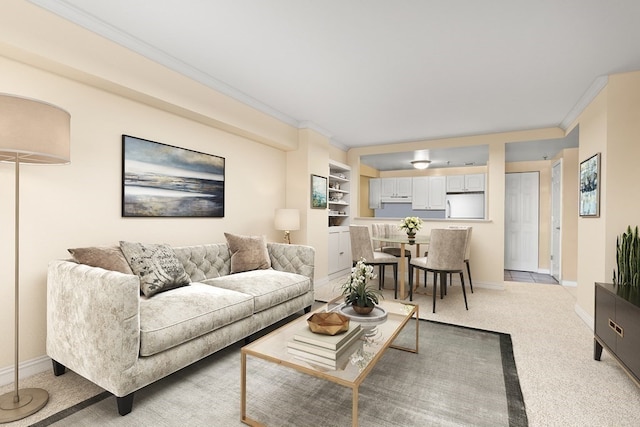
521, 221
556, 218
437, 192
420, 193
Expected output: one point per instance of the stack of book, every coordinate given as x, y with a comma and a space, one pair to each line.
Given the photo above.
331, 351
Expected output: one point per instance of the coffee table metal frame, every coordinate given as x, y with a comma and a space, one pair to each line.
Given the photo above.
273, 348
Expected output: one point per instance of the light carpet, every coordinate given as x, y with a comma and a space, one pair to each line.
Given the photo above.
461, 377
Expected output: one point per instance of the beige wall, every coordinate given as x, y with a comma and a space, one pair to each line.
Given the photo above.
110, 91
610, 125
569, 244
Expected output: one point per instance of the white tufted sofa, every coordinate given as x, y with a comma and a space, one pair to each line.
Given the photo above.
99, 325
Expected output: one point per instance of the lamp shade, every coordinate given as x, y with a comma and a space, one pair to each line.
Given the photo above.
287, 219
33, 131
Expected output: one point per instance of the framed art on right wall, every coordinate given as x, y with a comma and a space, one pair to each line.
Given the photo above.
589, 203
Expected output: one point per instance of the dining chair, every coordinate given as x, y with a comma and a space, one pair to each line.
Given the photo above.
467, 250
388, 231
446, 255
362, 248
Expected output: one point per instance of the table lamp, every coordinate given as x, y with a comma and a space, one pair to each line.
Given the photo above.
30, 132
287, 220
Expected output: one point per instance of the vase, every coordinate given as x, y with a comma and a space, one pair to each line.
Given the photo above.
361, 310
411, 234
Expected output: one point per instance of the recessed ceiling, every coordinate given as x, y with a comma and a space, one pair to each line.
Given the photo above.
379, 71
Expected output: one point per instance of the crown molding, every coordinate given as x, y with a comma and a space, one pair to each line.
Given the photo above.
598, 84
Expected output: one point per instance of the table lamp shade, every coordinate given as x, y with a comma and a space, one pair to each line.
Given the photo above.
287, 219
33, 131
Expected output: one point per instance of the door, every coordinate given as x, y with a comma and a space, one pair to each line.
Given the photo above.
437, 193
556, 218
420, 193
521, 221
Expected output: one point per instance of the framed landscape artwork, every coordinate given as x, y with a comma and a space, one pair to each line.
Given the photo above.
161, 180
589, 203
318, 192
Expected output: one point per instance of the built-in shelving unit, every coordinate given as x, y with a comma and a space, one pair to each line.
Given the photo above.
339, 198
339, 219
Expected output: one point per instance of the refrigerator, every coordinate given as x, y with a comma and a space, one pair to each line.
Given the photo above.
465, 205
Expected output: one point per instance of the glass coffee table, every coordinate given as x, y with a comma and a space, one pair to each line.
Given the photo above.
377, 338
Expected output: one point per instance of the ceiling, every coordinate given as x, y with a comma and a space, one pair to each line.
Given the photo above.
369, 72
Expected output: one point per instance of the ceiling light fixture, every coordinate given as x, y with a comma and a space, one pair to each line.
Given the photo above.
420, 164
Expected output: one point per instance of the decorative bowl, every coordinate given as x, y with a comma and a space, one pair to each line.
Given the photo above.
328, 323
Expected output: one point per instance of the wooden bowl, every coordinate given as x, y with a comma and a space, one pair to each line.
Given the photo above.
328, 323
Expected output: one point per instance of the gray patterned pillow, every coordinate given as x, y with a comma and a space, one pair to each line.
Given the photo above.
248, 253
157, 265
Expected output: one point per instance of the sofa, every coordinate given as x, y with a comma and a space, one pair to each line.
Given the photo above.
104, 325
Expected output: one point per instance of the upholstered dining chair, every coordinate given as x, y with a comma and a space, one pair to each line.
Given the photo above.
446, 255
362, 248
390, 230
467, 250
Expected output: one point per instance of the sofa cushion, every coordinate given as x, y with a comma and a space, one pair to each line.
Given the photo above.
107, 257
268, 287
157, 265
248, 253
179, 315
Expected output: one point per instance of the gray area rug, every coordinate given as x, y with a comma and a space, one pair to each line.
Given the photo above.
461, 377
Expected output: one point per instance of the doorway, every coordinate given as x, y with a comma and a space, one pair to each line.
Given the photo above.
521, 221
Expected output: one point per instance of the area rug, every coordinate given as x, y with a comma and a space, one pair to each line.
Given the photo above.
461, 377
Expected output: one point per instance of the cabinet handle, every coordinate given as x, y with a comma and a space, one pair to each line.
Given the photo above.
616, 328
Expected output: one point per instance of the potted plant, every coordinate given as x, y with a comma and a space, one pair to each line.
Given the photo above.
628, 258
356, 289
411, 225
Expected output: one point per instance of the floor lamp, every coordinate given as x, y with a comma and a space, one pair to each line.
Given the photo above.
38, 133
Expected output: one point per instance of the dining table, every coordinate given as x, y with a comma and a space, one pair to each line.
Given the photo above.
403, 241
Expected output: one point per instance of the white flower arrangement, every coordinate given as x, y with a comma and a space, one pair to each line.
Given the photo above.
410, 224
356, 289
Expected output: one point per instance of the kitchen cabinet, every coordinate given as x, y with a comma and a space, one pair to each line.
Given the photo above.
374, 193
395, 189
339, 250
429, 193
465, 183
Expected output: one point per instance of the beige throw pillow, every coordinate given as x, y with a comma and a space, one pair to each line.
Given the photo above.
157, 265
248, 253
107, 257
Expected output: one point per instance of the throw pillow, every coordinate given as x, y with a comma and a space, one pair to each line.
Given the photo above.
248, 253
109, 258
157, 265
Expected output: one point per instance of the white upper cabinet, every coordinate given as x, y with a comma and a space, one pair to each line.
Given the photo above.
465, 183
395, 189
429, 193
374, 193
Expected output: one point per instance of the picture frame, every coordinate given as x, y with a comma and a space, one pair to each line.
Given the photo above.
160, 180
589, 187
318, 192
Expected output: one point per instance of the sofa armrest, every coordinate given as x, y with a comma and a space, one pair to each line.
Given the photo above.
298, 259
93, 324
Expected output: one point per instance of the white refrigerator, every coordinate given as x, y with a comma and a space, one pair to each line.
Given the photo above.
465, 205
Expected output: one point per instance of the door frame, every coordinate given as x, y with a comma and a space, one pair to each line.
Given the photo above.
556, 258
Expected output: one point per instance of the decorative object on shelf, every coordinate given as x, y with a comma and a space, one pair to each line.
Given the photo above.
328, 323
160, 180
628, 258
356, 289
318, 192
589, 205
411, 225
38, 133
287, 220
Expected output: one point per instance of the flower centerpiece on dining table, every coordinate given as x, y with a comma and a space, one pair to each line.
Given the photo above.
411, 225
357, 291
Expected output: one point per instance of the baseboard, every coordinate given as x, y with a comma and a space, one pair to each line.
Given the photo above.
586, 317
26, 369
569, 283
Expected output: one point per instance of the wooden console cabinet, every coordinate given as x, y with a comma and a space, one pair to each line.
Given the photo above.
617, 326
